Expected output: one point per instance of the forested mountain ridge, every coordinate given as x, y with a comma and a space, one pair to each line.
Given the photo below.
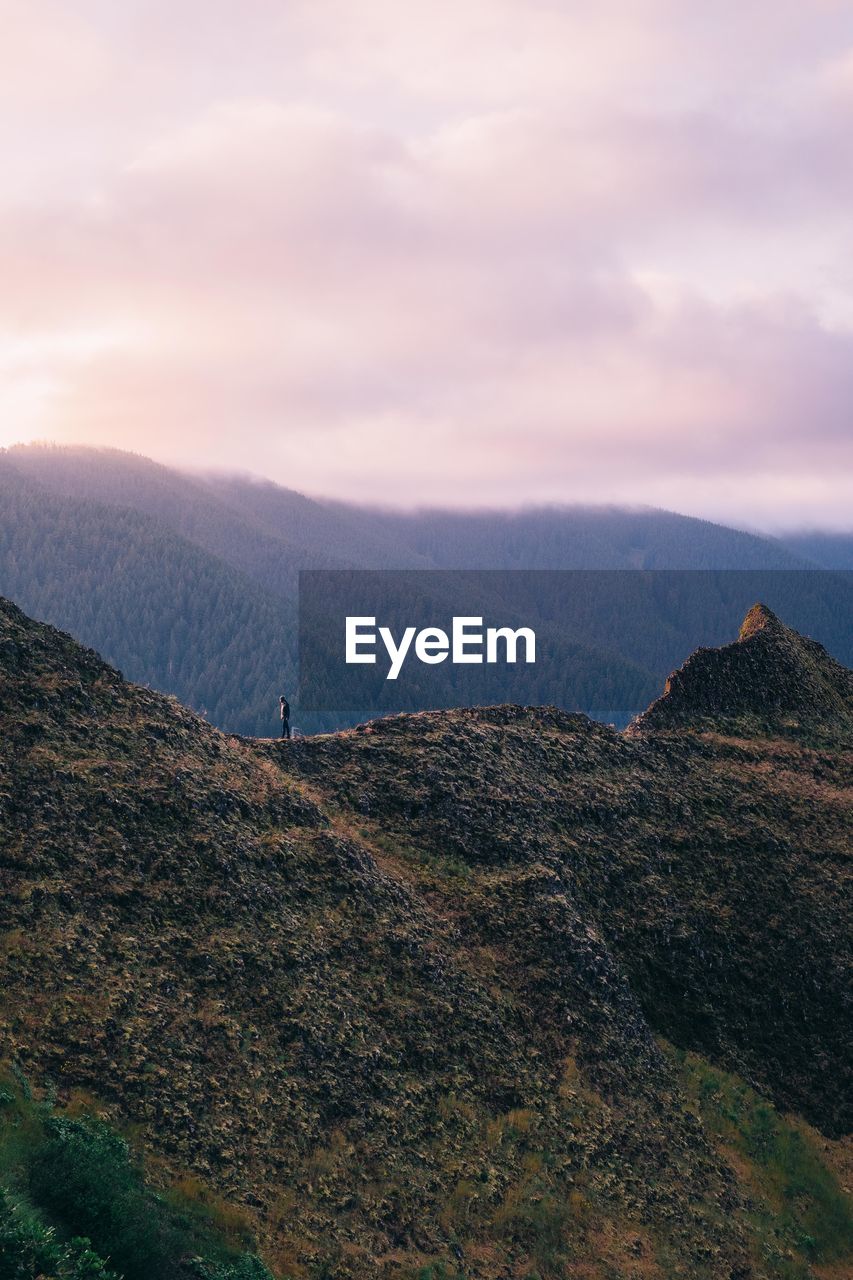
271, 546
159, 607
464, 994
580, 537
218, 512
188, 582
829, 550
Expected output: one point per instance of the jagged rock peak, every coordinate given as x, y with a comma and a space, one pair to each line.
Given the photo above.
772, 679
761, 619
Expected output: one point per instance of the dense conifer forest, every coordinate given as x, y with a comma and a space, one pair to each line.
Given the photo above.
188, 583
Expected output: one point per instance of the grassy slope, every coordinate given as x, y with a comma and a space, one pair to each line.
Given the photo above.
399, 991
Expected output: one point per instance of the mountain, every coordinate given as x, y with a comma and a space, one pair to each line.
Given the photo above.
269, 540
270, 532
485, 993
770, 679
829, 550
157, 605
188, 582
581, 538
256, 525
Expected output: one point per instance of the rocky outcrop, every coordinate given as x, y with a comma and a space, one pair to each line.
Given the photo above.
771, 680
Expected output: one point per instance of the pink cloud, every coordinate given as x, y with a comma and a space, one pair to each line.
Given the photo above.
504, 252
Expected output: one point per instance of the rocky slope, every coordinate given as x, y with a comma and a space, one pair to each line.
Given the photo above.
455, 993
770, 680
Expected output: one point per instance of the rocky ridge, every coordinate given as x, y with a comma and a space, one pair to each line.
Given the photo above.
416, 995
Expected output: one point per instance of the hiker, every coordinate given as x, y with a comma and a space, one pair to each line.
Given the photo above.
284, 712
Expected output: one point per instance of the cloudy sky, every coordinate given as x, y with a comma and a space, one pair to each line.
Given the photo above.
464, 251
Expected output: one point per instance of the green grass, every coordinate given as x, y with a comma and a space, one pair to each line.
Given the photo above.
799, 1205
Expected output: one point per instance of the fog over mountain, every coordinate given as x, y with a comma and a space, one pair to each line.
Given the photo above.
188, 581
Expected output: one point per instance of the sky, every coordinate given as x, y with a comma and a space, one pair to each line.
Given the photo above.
466, 252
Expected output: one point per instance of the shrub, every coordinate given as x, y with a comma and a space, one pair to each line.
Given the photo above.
29, 1249
77, 1207
82, 1176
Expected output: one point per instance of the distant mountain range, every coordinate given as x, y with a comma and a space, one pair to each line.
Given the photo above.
188, 582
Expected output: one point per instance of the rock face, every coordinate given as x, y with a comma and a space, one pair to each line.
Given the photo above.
405, 992
770, 680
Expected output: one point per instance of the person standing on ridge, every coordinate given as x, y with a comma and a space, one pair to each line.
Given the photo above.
284, 712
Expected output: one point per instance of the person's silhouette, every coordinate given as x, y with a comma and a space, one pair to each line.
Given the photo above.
284, 712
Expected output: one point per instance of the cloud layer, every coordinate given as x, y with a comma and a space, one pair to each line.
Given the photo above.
472, 252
